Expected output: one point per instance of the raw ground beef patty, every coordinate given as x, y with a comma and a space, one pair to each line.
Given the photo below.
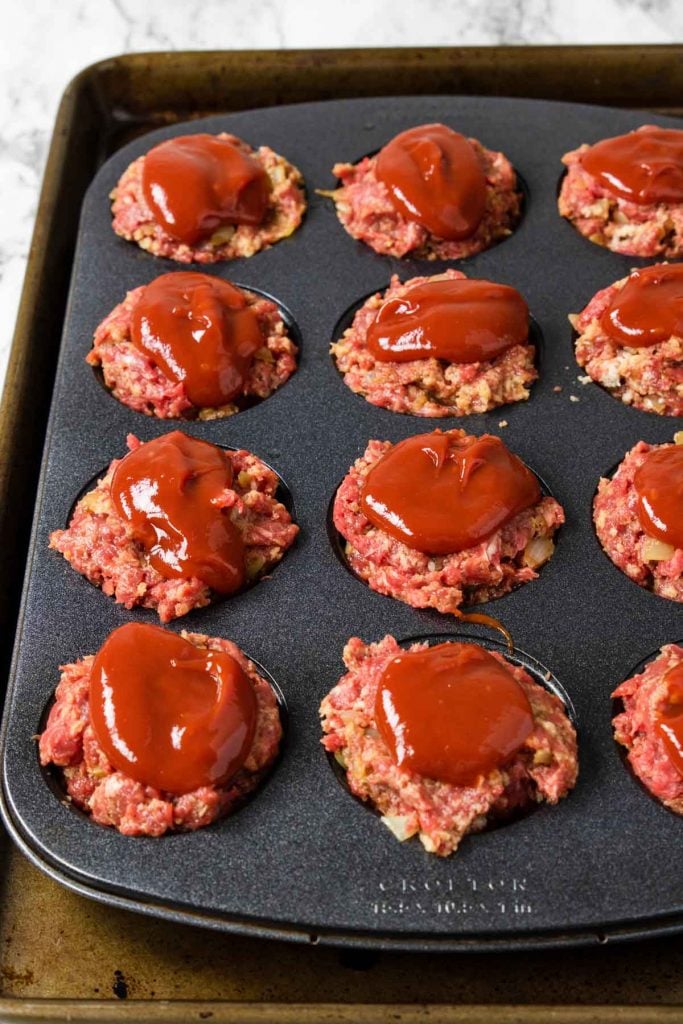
445, 582
633, 229
622, 536
429, 387
134, 221
113, 798
365, 210
135, 379
648, 378
441, 813
635, 728
98, 543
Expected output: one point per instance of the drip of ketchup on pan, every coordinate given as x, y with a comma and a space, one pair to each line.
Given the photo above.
644, 166
169, 491
169, 714
461, 321
195, 183
669, 717
659, 485
434, 177
452, 712
199, 330
648, 309
440, 498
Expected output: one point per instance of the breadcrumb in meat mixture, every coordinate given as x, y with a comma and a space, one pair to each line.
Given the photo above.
111, 797
634, 229
98, 542
648, 378
634, 728
135, 379
429, 387
507, 559
440, 813
134, 221
645, 560
366, 212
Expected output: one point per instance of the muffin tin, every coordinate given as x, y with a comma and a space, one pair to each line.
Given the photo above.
303, 860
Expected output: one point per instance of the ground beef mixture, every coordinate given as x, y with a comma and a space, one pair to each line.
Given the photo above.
630, 228
135, 379
98, 543
648, 378
623, 538
508, 558
440, 813
642, 697
113, 798
134, 221
429, 387
365, 210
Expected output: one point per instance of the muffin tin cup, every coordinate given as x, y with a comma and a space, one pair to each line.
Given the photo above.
302, 859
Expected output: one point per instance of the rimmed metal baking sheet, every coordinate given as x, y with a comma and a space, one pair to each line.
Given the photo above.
303, 860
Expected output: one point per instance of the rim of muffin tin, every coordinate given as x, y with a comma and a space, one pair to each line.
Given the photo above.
53, 775
617, 705
516, 657
283, 495
244, 402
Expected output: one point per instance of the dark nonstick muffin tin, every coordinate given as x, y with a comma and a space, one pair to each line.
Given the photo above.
303, 859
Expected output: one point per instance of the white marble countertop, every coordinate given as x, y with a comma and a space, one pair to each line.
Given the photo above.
45, 43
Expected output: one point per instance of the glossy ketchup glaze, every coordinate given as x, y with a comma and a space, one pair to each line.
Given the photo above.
194, 184
644, 166
461, 321
435, 178
440, 497
169, 491
199, 330
659, 486
669, 717
452, 712
648, 309
169, 714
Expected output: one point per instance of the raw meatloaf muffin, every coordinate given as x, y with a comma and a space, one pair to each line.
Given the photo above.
648, 378
137, 380
429, 387
135, 221
365, 210
99, 543
111, 797
441, 813
644, 559
612, 220
506, 559
645, 696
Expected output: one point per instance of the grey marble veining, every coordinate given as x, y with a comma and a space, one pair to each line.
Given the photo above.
45, 43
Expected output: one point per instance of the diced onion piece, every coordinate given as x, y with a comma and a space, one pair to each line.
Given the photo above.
398, 824
657, 550
538, 551
678, 437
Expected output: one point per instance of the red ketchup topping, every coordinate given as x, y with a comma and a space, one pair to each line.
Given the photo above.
644, 166
648, 309
199, 330
195, 183
460, 321
434, 177
659, 485
452, 712
169, 491
438, 498
169, 714
669, 717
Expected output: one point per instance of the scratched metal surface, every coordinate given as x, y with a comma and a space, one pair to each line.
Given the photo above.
304, 859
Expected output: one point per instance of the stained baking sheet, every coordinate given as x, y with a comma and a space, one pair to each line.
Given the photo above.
304, 860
